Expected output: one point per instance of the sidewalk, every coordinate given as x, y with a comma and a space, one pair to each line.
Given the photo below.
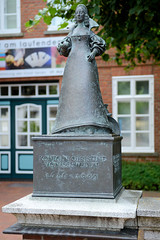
11, 191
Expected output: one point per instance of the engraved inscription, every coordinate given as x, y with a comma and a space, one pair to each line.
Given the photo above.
66, 161
116, 162
76, 167
79, 176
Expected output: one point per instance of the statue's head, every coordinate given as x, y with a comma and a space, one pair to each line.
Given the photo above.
81, 15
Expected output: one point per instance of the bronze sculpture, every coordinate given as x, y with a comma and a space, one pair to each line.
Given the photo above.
81, 109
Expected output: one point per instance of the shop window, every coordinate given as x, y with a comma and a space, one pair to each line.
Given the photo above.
10, 16
133, 108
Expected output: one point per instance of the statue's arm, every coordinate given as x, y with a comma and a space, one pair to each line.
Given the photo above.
97, 46
64, 46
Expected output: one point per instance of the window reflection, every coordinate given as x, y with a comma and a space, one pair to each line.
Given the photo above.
22, 112
123, 88
23, 140
142, 139
4, 112
123, 107
142, 123
142, 107
4, 140
142, 87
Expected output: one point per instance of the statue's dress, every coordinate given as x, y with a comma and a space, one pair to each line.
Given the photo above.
80, 101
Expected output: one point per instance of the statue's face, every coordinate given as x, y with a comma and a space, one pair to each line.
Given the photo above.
80, 14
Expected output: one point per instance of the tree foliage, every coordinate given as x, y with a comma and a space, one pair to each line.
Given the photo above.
132, 27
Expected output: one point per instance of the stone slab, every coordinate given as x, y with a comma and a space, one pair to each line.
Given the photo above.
151, 235
148, 213
73, 212
149, 207
77, 166
125, 234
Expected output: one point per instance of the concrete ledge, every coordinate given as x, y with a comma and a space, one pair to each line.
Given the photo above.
9, 35
77, 212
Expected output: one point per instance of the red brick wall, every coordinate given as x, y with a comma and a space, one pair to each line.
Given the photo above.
110, 69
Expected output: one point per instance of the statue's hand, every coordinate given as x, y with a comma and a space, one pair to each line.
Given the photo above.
91, 56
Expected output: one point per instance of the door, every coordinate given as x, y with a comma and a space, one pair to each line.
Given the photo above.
27, 121
20, 120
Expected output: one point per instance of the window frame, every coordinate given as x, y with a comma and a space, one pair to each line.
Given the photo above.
28, 120
133, 98
36, 95
2, 16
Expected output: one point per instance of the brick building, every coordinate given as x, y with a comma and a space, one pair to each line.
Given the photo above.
30, 79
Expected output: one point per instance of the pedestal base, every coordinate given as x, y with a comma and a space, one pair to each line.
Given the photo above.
96, 214
77, 166
148, 213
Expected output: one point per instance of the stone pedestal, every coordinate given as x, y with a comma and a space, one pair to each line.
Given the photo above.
73, 217
77, 166
148, 213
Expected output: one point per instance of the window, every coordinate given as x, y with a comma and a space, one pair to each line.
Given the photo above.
28, 124
10, 16
4, 126
30, 90
51, 117
133, 108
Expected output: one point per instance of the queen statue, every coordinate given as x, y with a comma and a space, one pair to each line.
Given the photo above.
81, 109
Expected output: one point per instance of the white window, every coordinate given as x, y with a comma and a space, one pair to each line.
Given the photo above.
30, 90
10, 16
28, 124
133, 108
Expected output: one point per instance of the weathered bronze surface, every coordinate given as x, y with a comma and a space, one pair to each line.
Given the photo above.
81, 109
70, 166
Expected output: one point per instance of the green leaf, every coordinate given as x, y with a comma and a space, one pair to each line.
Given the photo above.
105, 57
30, 23
47, 19
63, 25
52, 11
